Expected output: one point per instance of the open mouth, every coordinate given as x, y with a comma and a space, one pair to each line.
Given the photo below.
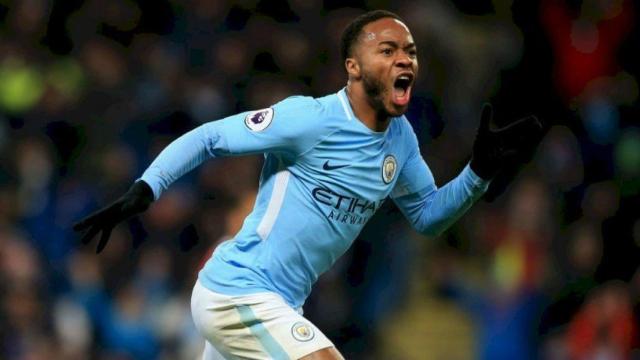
402, 89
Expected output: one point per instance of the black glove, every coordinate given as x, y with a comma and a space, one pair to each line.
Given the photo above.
136, 200
495, 148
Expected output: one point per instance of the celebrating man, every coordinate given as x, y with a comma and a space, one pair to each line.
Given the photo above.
329, 164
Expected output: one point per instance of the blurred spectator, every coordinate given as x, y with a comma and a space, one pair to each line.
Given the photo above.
468, 53
627, 161
585, 36
22, 85
578, 264
604, 328
560, 160
507, 306
126, 332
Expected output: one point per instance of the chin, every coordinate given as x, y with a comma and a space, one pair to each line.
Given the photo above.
395, 110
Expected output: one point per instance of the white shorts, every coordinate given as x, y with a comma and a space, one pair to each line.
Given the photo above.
255, 326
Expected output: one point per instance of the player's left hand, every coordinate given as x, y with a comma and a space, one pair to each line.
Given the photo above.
496, 147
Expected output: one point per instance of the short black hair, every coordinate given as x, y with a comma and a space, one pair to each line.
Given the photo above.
352, 31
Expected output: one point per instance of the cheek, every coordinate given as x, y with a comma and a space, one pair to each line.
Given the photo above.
370, 71
415, 65
380, 73
374, 64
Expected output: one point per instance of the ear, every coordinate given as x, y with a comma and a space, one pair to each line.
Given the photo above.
353, 68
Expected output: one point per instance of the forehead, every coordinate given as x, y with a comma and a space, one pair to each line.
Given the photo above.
386, 29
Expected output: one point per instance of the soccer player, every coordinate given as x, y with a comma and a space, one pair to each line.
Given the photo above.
329, 164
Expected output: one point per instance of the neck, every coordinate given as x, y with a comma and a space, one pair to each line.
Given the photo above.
373, 118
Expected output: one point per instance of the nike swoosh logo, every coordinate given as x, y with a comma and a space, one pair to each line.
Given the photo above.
326, 166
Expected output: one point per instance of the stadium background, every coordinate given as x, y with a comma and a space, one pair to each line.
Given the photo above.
91, 90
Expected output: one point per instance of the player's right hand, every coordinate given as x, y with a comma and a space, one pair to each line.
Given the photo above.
136, 200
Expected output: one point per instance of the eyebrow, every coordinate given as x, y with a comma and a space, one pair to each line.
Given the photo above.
395, 44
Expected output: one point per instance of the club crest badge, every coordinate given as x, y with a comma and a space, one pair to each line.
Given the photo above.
389, 167
302, 331
259, 120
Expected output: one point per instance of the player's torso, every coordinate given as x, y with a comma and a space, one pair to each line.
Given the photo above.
312, 205
337, 185
348, 174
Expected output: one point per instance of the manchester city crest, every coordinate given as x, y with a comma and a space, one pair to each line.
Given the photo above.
389, 167
302, 331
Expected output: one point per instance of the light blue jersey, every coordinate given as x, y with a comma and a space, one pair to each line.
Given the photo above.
325, 174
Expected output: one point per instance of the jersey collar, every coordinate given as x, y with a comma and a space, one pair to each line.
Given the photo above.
346, 106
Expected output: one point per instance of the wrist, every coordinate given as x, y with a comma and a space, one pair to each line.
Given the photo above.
142, 193
482, 169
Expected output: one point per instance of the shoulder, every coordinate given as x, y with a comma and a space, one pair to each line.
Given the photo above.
299, 120
304, 111
326, 106
309, 112
298, 105
403, 128
288, 114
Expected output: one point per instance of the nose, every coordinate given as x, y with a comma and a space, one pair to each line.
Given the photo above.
403, 60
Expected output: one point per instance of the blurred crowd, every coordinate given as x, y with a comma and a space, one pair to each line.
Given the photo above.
92, 90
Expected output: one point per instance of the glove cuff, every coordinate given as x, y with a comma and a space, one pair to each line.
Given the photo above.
142, 194
482, 170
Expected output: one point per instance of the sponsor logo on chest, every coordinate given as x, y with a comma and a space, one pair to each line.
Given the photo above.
352, 209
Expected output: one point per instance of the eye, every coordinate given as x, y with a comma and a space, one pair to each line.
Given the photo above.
386, 51
413, 53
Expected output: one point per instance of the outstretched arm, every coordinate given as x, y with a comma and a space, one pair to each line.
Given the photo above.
247, 133
178, 158
183, 155
432, 210
279, 129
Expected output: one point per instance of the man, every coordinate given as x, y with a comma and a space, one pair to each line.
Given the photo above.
329, 164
